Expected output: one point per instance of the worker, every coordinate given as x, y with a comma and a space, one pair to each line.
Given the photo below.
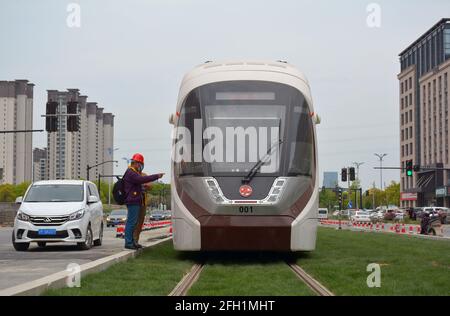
133, 181
142, 211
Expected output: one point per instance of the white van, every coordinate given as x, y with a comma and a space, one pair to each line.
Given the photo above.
322, 213
59, 211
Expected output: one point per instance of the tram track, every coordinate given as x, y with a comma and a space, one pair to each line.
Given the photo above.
187, 281
312, 283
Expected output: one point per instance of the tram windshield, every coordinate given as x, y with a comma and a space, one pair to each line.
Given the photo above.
228, 127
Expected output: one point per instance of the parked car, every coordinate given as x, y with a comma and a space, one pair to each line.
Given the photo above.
399, 215
157, 215
389, 215
361, 216
168, 214
322, 213
116, 217
59, 211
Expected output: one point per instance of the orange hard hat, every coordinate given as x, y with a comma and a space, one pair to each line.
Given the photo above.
138, 158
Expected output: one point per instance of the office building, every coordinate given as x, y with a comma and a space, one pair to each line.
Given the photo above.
330, 180
424, 116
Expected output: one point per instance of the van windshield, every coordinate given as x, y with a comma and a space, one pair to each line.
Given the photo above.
55, 193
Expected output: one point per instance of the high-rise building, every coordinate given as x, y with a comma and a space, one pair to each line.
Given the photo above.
424, 116
69, 153
16, 113
330, 180
40, 164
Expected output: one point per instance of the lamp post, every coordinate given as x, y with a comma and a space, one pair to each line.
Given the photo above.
380, 157
88, 168
358, 164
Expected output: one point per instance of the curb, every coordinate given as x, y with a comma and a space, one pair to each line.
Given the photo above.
58, 279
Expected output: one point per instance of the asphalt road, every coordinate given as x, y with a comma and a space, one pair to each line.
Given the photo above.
20, 267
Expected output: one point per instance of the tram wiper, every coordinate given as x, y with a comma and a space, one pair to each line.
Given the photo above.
260, 162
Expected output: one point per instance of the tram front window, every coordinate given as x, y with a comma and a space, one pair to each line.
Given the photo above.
243, 122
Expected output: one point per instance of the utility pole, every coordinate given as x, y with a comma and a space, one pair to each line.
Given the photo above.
380, 157
358, 164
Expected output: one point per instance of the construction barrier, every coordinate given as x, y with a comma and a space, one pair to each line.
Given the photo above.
120, 229
397, 228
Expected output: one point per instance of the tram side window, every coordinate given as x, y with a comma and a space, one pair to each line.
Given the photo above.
301, 157
190, 112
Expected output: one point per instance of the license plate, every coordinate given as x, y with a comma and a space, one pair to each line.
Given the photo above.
47, 232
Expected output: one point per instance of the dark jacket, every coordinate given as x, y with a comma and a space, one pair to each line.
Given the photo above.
133, 186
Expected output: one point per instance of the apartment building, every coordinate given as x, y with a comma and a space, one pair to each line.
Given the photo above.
16, 113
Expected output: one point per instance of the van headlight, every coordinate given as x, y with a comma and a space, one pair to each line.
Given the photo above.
76, 215
23, 217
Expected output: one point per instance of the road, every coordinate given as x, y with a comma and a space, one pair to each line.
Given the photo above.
20, 267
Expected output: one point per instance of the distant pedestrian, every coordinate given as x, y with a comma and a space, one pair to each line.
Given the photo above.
135, 199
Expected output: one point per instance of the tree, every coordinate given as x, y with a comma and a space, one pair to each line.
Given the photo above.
328, 199
392, 193
7, 193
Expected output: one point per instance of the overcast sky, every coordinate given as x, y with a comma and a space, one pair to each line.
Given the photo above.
130, 56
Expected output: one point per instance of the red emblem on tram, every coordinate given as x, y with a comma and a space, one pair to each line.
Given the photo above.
245, 190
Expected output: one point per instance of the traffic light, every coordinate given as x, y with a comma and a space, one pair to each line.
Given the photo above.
416, 168
340, 196
344, 175
409, 168
51, 122
72, 121
352, 173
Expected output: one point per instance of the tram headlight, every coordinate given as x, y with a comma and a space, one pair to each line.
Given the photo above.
276, 190
215, 191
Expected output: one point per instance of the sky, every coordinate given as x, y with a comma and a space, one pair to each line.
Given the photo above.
130, 57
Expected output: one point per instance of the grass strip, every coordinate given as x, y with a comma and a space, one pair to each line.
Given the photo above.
154, 272
248, 274
408, 265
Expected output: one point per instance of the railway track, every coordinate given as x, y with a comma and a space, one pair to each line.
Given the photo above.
312, 283
182, 288
188, 280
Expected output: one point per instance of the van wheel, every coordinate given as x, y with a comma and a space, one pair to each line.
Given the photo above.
20, 246
87, 244
99, 241
41, 244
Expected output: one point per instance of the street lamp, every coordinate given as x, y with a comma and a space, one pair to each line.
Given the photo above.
102, 163
381, 156
358, 164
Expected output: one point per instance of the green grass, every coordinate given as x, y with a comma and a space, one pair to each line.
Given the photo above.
244, 274
409, 266
155, 272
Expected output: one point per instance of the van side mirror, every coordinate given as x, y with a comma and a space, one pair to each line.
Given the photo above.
19, 200
92, 199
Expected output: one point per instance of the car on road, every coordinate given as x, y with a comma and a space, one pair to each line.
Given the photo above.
157, 215
116, 217
59, 211
361, 216
322, 213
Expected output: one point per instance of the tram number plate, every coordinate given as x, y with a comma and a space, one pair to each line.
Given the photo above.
246, 209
